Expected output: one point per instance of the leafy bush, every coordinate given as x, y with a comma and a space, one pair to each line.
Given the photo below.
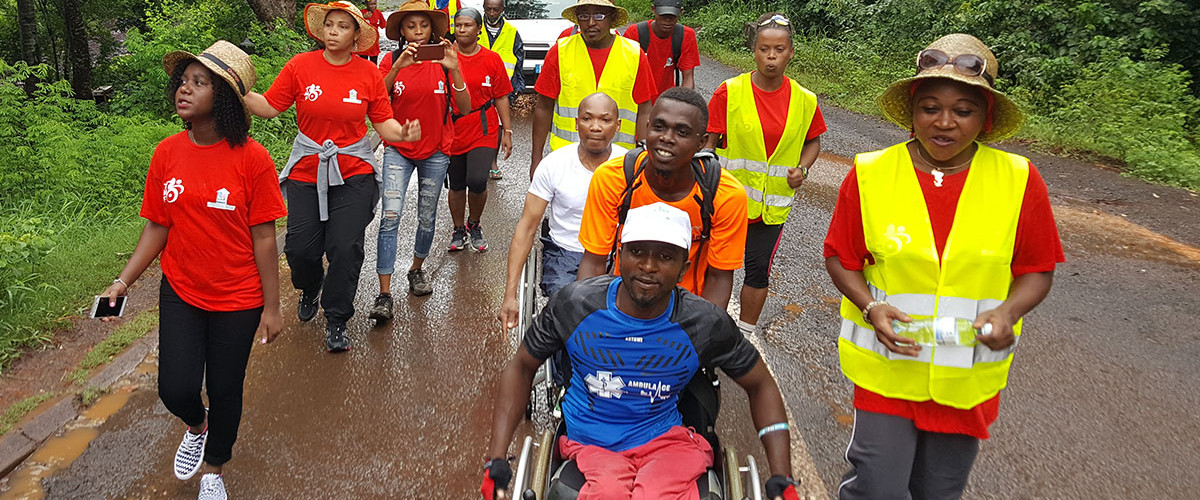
23, 243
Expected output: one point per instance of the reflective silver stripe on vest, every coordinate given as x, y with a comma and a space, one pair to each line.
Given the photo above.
757, 166
924, 305
569, 112
510, 66
773, 200
573, 136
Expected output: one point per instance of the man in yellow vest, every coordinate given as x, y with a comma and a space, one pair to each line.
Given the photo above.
593, 60
502, 38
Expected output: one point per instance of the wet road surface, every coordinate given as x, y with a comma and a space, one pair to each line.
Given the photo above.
1101, 400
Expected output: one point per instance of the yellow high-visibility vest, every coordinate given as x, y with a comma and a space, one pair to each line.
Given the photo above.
972, 276
451, 10
765, 178
577, 79
505, 39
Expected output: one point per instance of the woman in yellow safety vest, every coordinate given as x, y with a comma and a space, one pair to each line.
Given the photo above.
767, 128
945, 227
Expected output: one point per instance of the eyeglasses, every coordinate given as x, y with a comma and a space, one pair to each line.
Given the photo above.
964, 64
777, 19
599, 16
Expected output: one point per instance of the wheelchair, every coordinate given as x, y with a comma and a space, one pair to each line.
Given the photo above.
542, 473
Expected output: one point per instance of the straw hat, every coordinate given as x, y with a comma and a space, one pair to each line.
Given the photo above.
441, 22
225, 60
314, 23
896, 101
622, 14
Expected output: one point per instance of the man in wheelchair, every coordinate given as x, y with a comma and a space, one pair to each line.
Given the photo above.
633, 342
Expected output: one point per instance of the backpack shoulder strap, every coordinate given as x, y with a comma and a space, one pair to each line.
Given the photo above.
677, 51
643, 32
706, 167
632, 173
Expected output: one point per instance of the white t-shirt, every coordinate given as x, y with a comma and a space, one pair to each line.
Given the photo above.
562, 180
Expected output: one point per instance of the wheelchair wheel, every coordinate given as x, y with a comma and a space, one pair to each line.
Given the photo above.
733, 476
541, 467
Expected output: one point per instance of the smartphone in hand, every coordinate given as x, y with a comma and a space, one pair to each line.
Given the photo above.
430, 52
101, 309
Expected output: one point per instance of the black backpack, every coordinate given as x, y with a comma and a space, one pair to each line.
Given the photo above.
643, 32
706, 168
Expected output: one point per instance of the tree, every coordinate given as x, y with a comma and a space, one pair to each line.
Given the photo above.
78, 53
267, 11
27, 25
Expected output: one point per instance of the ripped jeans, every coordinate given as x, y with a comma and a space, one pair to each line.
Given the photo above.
397, 171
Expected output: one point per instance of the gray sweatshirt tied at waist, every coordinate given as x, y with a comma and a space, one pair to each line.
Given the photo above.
329, 173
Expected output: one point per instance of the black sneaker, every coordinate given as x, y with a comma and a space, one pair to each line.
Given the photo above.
417, 285
478, 244
459, 240
335, 337
382, 311
306, 310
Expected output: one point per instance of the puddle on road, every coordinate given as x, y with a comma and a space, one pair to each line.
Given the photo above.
58, 453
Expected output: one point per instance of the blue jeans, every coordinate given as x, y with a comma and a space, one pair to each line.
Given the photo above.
559, 266
397, 171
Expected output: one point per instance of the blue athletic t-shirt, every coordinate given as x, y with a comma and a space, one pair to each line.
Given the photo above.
627, 373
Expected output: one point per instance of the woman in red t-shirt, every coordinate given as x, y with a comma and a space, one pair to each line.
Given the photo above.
773, 91
210, 204
421, 89
478, 130
889, 239
331, 178
375, 18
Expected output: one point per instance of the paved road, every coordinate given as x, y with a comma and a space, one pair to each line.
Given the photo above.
1101, 403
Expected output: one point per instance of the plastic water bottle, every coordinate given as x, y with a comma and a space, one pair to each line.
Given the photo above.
945, 330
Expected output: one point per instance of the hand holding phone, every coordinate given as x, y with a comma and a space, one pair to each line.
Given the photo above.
102, 307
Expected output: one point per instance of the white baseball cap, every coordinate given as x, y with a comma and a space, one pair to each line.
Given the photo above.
658, 222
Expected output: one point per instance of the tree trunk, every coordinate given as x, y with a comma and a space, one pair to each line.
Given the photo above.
78, 54
28, 28
268, 11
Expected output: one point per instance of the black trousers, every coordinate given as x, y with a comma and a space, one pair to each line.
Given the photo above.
340, 239
471, 169
196, 346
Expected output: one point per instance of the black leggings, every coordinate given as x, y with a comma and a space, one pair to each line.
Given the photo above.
762, 240
195, 346
470, 171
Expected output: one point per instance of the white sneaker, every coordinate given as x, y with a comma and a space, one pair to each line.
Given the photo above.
212, 487
190, 454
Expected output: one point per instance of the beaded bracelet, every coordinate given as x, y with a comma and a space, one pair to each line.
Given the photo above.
780, 426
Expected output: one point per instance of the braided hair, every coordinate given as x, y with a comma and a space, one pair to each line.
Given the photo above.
770, 20
227, 112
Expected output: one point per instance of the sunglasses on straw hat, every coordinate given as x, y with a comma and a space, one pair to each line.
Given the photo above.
964, 64
777, 19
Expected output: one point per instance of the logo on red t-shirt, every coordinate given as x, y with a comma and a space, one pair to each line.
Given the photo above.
172, 189
312, 92
670, 62
222, 200
353, 99
398, 87
487, 81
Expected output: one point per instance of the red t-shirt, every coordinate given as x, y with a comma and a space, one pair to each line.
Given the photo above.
660, 56
420, 93
549, 85
1037, 249
375, 19
208, 197
487, 80
772, 110
331, 103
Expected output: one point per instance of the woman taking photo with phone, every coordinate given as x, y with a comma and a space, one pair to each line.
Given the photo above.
941, 226
422, 78
768, 128
478, 131
331, 177
210, 203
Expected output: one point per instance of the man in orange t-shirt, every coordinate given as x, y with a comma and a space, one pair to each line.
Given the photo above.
676, 132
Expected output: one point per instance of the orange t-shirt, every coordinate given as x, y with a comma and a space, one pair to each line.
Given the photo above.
726, 246
208, 197
332, 102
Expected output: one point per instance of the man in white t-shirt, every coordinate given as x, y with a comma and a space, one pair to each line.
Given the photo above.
561, 182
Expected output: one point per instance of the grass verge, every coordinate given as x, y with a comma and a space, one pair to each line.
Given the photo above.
116, 342
16, 412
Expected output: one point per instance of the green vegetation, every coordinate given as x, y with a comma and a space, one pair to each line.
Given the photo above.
116, 342
17, 411
1113, 78
72, 172
91, 394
